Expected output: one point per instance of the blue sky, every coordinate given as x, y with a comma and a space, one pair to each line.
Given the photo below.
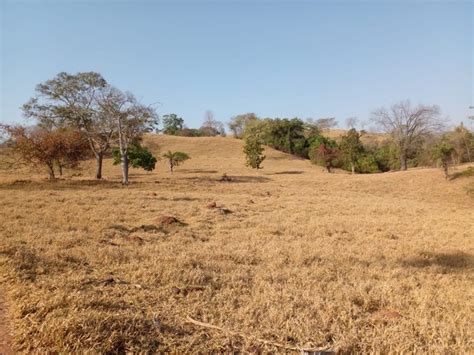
274, 58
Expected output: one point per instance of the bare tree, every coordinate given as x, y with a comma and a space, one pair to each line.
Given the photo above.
238, 123
323, 124
211, 127
407, 125
132, 120
352, 122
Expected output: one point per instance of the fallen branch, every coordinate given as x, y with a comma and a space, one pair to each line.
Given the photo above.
315, 351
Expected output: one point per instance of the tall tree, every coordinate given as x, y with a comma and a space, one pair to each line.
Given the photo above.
71, 100
132, 120
407, 125
172, 124
351, 148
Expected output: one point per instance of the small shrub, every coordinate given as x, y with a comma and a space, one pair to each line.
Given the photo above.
139, 157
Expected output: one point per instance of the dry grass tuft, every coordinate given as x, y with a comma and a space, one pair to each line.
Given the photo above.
354, 264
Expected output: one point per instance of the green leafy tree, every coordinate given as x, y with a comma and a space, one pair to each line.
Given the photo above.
443, 152
253, 150
286, 135
172, 124
351, 148
138, 156
175, 159
367, 164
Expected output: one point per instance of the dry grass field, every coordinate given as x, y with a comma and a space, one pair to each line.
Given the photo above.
291, 257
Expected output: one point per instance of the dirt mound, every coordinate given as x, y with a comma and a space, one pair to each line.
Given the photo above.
168, 220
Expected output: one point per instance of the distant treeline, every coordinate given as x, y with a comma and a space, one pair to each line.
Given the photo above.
412, 136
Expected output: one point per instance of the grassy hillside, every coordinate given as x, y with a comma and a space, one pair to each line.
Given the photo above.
290, 257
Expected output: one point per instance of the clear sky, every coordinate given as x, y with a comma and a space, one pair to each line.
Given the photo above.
275, 58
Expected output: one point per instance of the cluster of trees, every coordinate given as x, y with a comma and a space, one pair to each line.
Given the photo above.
414, 136
81, 115
174, 125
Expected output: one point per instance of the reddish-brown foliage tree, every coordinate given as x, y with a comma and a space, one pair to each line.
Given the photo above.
48, 148
326, 155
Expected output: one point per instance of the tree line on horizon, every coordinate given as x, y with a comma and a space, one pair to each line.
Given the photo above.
79, 116
413, 136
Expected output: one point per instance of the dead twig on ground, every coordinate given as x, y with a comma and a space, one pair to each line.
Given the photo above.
319, 351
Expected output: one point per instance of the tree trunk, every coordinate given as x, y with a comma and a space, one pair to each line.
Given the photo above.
98, 170
124, 162
171, 167
467, 150
353, 168
51, 171
403, 161
60, 166
445, 169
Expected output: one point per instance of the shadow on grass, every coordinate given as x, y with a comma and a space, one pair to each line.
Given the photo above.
61, 184
286, 157
453, 261
469, 172
229, 179
178, 199
295, 172
198, 171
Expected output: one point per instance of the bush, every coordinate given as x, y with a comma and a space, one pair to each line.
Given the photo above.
190, 132
367, 164
253, 150
138, 156
385, 157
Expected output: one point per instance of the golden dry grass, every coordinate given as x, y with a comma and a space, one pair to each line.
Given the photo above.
365, 263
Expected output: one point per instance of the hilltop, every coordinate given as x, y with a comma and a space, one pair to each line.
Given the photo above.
290, 255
